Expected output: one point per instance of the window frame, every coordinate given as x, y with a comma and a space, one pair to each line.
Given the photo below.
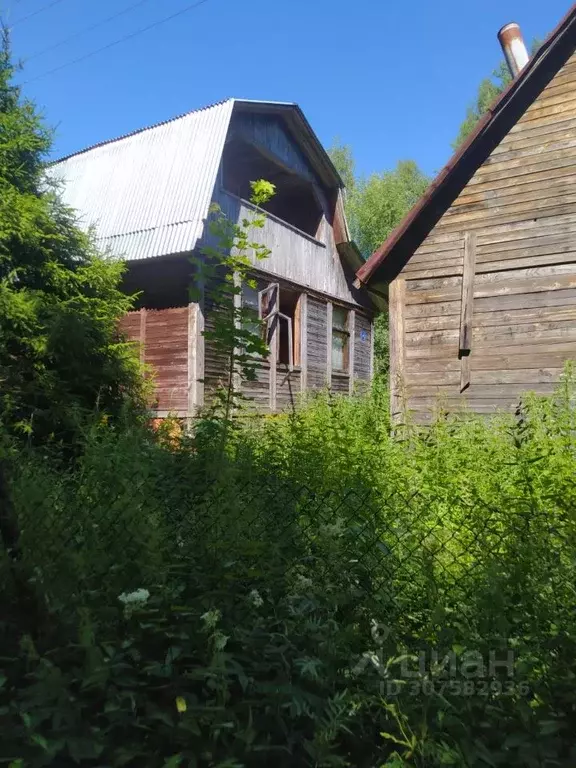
344, 334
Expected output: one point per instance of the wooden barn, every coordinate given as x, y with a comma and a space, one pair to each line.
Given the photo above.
481, 275
147, 197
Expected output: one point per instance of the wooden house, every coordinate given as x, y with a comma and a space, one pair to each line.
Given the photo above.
481, 275
147, 197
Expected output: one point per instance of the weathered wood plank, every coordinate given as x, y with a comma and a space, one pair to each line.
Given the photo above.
498, 287
481, 391
450, 378
526, 331
329, 312
559, 270
397, 293
351, 349
489, 360
363, 343
317, 343
510, 214
535, 348
142, 334
467, 296
484, 195
493, 318
303, 304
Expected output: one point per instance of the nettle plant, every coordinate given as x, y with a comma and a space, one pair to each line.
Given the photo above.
236, 331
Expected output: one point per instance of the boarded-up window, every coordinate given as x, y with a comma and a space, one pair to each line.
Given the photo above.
340, 339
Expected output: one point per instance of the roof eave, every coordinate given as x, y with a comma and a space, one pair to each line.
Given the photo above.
488, 133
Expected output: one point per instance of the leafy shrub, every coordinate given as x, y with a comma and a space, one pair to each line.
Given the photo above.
294, 603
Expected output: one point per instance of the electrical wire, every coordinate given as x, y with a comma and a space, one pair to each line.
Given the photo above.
114, 43
36, 12
86, 30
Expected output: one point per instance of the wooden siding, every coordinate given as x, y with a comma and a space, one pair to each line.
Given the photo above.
294, 256
163, 336
520, 211
268, 132
215, 363
362, 348
287, 388
317, 331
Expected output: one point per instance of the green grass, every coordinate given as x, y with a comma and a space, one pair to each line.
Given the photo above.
316, 545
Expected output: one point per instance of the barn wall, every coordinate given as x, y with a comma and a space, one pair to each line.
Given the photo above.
163, 339
518, 213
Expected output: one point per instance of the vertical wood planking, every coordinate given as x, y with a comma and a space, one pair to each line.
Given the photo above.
397, 295
200, 348
467, 299
237, 377
329, 309
371, 376
142, 334
351, 346
467, 308
192, 358
303, 304
273, 360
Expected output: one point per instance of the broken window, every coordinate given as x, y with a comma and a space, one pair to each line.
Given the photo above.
280, 309
289, 331
340, 339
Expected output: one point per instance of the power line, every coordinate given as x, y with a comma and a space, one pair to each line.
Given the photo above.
123, 39
36, 12
85, 31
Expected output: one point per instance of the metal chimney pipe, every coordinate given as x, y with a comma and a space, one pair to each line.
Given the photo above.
512, 43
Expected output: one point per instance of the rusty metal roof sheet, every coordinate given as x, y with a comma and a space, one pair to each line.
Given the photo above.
395, 252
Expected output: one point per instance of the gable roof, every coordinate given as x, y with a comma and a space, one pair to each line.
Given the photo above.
395, 252
147, 193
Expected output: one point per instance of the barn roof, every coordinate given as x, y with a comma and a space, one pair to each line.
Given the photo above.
147, 193
395, 252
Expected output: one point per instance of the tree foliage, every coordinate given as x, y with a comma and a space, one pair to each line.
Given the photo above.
60, 355
375, 205
488, 91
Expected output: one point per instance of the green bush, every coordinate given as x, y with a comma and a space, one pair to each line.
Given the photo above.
293, 603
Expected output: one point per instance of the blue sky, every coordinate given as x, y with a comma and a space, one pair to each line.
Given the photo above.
390, 78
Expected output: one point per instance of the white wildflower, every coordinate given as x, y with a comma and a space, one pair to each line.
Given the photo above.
220, 640
138, 596
303, 581
211, 618
256, 598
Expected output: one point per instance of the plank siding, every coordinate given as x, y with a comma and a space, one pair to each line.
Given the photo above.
317, 333
163, 335
520, 207
215, 363
362, 349
294, 255
287, 388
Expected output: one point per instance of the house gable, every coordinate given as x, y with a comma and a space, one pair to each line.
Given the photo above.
503, 115
510, 235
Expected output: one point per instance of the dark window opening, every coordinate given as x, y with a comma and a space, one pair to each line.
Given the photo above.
340, 340
159, 283
290, 307
295, 201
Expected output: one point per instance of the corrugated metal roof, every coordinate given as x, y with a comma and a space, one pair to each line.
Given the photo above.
146, 194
